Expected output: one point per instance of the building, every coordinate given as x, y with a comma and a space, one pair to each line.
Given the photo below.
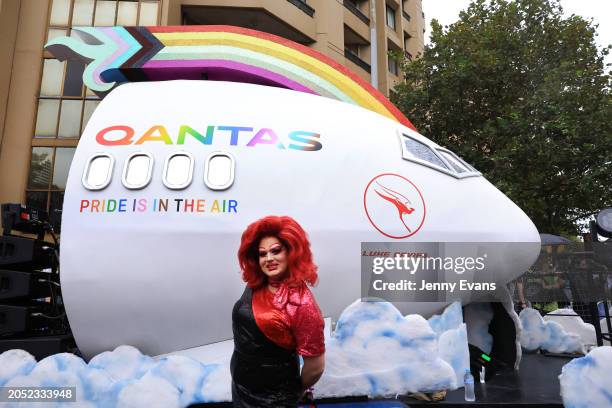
44, 105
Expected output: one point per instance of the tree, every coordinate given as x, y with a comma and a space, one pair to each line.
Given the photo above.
522, 94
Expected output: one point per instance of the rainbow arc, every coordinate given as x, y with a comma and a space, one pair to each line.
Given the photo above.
128, 54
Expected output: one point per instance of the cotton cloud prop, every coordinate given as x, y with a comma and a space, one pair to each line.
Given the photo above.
573, 324
478, 317
374, 351
585, 382
121, 378
547, 335
452, 339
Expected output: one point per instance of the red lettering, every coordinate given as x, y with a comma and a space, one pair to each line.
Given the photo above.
200, 206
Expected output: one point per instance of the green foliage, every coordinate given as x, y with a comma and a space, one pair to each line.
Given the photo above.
521, 93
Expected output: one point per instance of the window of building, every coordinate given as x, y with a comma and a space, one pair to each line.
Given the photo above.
64, 104
352, 48
127, 13
404, 12
48, 175
390, 14
407, 38
356, 49
105, 13
359, 8
46, 118
82, 12
393, 65
60, 12
219, 171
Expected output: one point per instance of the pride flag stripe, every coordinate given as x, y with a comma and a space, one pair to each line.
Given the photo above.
122, 54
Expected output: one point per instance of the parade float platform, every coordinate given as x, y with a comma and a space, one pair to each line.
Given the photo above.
535, 385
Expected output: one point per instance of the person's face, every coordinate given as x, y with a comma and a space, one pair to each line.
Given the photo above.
272, 258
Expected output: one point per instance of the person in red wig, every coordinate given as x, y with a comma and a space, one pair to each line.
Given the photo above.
277, 317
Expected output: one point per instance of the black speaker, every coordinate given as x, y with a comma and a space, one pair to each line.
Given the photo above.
23, 218
17, 285
40, 347
16, 319
25, 254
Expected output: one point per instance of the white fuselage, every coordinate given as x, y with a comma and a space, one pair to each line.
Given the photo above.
165, 279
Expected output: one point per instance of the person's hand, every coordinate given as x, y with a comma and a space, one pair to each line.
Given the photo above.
307, 397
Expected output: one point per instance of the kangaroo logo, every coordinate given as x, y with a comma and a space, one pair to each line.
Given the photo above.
394, 205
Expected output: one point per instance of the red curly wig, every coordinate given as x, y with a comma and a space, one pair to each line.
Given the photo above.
300, 265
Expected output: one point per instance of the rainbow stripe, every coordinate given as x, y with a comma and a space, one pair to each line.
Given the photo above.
125, 54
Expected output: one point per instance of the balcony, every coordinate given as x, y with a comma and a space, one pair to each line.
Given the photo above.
255, 18
301, 4
357, 61
349, 5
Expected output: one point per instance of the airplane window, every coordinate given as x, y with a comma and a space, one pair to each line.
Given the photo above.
219, 171
422, 151
466, 164
178, 170
137, 170
98, 172
454, 161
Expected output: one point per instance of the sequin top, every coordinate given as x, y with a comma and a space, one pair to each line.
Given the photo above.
290, 318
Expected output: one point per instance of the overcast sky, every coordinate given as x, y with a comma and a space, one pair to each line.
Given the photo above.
447, 12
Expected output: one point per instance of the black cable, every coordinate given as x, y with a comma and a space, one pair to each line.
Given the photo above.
48, 280
36, 314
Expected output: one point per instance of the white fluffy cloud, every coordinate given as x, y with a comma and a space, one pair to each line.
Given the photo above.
15, 363
374, 351
123, 377
585, 382
478, 317
547, 335
573, 324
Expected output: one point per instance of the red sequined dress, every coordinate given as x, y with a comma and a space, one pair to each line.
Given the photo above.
270, 330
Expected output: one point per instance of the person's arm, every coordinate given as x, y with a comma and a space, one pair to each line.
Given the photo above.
521, 294
312, 370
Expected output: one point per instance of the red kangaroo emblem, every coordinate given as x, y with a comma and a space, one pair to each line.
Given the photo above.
399, 201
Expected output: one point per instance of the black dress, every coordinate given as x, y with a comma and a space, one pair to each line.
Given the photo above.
263, 373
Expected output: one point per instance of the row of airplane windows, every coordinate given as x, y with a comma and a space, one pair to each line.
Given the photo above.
219, 167
177, 174
439, 159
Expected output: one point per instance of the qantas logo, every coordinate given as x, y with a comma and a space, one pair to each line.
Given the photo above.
394, 205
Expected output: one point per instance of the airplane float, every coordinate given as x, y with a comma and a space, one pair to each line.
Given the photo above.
214, 127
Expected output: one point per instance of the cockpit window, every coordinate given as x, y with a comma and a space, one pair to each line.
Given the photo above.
137, 170
219, 171
178, 170
455, 162
98, 172
421, 151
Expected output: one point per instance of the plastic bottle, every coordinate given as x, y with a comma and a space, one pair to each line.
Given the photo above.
468, 382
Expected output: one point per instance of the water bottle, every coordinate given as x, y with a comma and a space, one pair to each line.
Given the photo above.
468, 382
